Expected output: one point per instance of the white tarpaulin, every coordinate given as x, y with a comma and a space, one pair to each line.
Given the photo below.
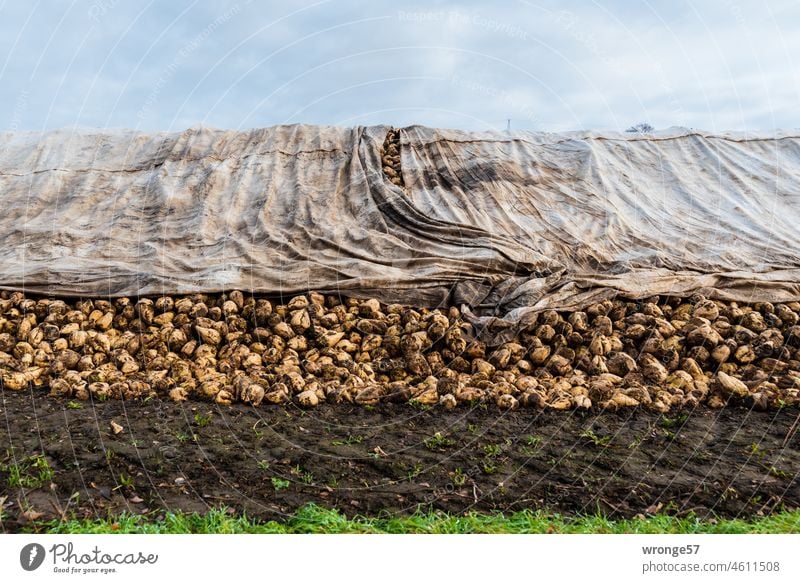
498, 221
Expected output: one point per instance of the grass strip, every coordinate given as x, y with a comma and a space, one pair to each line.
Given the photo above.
315, 519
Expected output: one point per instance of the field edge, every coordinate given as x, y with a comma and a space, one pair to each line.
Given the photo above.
314, 519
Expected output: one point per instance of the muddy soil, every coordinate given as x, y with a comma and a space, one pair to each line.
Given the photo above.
391, 459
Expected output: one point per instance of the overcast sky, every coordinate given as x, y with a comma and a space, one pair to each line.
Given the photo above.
548, 66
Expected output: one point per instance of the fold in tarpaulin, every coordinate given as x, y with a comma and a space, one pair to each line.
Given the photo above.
505, 224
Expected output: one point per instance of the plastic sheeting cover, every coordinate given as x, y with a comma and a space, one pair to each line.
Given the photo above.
505, 223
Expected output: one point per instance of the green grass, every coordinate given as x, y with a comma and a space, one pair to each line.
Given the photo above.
314, 519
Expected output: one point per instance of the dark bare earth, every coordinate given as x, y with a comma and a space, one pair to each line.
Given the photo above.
394, 459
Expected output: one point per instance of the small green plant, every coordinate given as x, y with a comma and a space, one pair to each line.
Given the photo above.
778, 473
489, 468
590, 435
472, 428
756, 450
351, 439
183, 436
533, 440
125, 481
279, 484
263, 465
74, 405
30, 472
492, 449
674, 422
258, 433
532, 443
304, 475
438, 440
415, 471
459, 478
703, 456
202, 420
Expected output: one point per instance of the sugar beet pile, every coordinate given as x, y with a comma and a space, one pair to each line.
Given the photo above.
538, 270
314, 349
